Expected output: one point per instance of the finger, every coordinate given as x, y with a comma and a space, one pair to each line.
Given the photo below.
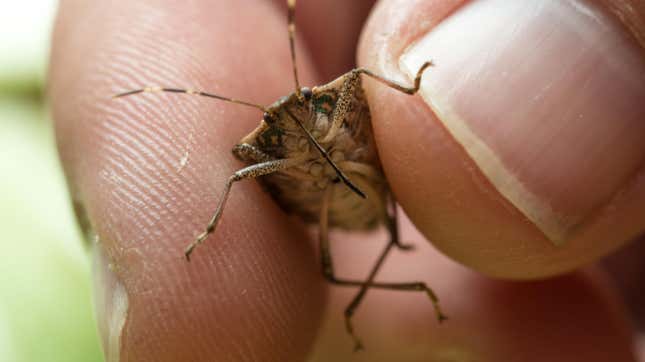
149, 169
570, 318
524, 158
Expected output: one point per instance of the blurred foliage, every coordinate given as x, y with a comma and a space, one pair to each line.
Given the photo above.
45, 294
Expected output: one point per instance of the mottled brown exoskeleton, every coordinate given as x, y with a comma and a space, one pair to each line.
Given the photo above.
316, 154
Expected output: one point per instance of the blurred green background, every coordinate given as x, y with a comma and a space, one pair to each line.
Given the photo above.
45, 294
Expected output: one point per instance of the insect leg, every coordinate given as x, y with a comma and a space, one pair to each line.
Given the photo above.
328, 273
245, 151
328, 265
346, 94
252, 171
351, 81
396, 85
393, 227
404, 286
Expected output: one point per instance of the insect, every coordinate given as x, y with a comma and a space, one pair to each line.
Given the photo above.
315, 153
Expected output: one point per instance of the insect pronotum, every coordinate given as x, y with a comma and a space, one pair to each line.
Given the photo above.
316, 154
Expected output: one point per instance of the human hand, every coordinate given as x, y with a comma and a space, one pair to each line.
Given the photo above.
149, 170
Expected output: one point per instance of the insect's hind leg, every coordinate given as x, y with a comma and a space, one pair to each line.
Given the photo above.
328, 267
328, 273
403, 286
393, 228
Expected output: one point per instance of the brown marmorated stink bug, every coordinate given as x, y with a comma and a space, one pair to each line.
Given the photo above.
316, 154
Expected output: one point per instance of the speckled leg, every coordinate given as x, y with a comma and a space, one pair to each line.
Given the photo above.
246, 152
351, 82
252, 171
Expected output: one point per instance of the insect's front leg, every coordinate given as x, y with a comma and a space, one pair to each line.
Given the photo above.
345, 96
253, 171
396, 85
351, 82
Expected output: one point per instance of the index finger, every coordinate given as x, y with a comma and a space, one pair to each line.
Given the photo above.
149, 169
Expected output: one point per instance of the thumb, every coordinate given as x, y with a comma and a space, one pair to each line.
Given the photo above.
524, 155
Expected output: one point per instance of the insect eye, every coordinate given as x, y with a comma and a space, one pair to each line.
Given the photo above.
307, 93
268, 118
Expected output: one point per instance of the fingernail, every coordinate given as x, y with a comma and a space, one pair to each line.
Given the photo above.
111, 304
546, 97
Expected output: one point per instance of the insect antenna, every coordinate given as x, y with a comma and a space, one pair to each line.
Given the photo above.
191, 92
291, 19
324, 153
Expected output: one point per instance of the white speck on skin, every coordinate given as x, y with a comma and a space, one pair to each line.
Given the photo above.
183, 161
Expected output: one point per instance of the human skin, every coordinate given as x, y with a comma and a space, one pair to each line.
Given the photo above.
148, 170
